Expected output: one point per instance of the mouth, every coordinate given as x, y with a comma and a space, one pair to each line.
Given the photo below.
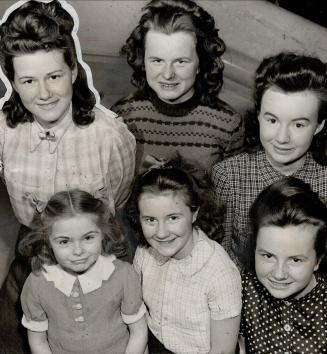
282, 150
79, 261
47, 106
165, 242
168, 86
279, 285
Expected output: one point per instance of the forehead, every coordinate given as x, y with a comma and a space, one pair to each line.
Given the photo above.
166, 201
287, 240
290, 105
174, 45
74, 225
39, 62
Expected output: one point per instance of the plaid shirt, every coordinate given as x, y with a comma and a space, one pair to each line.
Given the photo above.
182, 296
98, 158
239, 180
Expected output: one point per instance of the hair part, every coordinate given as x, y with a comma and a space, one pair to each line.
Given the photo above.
290, 72
171, 16
287, 202
38, 26
69, 204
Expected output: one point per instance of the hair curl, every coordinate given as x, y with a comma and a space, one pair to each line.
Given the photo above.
38, 26
290, 201
193, 184
170, 16
68, 204
290, 72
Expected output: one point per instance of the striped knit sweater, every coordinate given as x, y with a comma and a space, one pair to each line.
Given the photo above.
201, 133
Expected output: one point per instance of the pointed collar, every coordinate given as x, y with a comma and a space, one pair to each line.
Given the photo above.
199, 257
58, 131
89, 281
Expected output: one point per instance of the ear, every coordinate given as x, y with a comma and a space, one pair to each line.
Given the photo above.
195, 215
74, 74
320, 127
317, 265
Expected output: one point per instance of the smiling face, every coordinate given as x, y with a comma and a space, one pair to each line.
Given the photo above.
285, 259
167, 223
44, 83
76, 242
171, 65
288, 122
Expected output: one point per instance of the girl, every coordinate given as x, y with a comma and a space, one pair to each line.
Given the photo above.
175, 53
288, 138
52, 135
284, 299
190, 286
80, 298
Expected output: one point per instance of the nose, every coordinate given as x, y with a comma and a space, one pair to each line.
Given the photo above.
162, 230
283, 135
280, 271
44, 91
168, 71
77, 249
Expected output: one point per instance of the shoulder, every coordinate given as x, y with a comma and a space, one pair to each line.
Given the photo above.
127, 103
34, 282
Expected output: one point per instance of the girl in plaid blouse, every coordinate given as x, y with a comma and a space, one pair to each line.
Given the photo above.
284, 296
190, 286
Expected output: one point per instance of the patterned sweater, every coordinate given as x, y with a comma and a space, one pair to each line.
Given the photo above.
201, 133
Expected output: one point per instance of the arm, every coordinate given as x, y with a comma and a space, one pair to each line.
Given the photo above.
122, 165
241, 343
236, 139
223, 335
138, 337
38, 342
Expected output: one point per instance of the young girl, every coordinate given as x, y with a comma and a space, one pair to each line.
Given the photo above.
80, 298
191, 288
288, 134
175, 53
284, 299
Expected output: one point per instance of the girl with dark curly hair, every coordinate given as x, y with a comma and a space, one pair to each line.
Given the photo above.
175, 53
190, 286
53, 135
286, 137
77, 282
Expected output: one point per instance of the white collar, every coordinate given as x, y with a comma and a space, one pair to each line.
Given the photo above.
89, 281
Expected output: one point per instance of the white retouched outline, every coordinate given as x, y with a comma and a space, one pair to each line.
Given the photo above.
70, 9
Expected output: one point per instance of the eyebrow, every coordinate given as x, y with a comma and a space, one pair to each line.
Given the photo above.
292, 256
295, 119
48, 74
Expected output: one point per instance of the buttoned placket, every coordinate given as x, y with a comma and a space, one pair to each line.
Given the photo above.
287, 326
75, 302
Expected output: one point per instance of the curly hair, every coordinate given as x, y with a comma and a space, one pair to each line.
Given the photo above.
38, 26
67, 204
170, 16
290, 201
179, 176
290, 72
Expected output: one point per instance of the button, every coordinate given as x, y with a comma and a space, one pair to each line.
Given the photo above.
287, 303
287, 327
77, 306
75, 294
79, 319
287, 353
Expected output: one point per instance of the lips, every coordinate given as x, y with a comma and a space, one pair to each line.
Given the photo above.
79, 261
47, 106
168, 86
283, 149
278, 285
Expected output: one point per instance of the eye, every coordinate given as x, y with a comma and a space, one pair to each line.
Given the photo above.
272, 120
297, 260
182, 61
149, 219
173, 217
27, 81
266, 255
299, 125
156, 60
63, 242
89, 237
55, 76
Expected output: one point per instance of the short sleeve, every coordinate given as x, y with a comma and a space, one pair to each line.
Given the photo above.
34, 317
225, 294
236, 141
138, 261
132, 307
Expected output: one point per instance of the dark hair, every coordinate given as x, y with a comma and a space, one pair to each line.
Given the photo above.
179, 176
170, 16
290, 72
290, 201
38, 26
68, 204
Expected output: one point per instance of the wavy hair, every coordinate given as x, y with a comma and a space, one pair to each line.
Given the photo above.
38, 26
290, 72
67, 204
179, 176
170, 16
290, 201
